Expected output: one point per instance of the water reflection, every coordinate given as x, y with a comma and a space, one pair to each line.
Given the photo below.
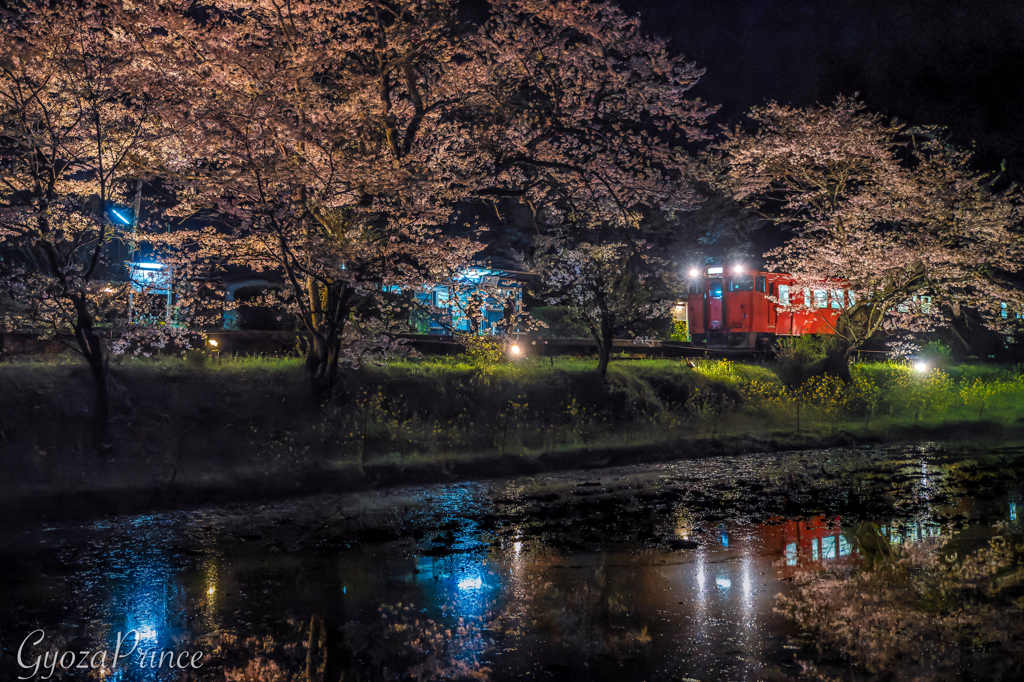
461, 583
512, 580
123, 593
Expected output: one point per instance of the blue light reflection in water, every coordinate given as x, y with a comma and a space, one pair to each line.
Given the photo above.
149, 599
138, 598
156, 575
474, 583
464, 584
463, 577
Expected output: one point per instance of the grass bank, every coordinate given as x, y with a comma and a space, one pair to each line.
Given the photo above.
198, 429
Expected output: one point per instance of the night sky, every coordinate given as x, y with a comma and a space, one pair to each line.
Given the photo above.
956, 64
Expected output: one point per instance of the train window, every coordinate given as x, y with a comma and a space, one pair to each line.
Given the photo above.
741, 283
759, 285
784, 294
820, 298
771, 288
715, 288
837, 299
1002, 311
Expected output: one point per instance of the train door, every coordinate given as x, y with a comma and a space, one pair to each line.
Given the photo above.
714, 320
773, 312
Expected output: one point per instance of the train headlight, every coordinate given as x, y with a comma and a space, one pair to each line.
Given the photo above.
738, 269
515, 350
695, 273
921, 367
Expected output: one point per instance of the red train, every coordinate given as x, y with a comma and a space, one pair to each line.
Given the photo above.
730, 307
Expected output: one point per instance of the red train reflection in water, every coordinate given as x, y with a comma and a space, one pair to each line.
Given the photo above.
801, 541
822, 538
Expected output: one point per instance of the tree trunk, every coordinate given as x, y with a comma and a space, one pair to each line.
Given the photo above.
92, 350
322, 365
603, 353
604, 346
325, 342
836, 363
102, 437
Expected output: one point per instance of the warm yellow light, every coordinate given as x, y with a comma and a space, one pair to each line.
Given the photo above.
213, 342
108, 290
211, 590
515, 350
921, 367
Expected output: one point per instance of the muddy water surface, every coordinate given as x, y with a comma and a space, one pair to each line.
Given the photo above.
658, 572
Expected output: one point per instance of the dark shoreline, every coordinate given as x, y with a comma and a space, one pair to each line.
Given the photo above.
46, 504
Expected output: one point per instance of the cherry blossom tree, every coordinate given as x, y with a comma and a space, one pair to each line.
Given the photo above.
591, 118
882, 210
333, 140
337, 139
589, 115
76, 137
611, 285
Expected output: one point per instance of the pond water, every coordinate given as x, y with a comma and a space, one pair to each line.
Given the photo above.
655, 572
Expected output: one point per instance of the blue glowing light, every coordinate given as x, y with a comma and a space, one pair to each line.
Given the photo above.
123, 219
475, 274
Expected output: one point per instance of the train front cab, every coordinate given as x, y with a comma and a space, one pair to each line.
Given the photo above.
731, 308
